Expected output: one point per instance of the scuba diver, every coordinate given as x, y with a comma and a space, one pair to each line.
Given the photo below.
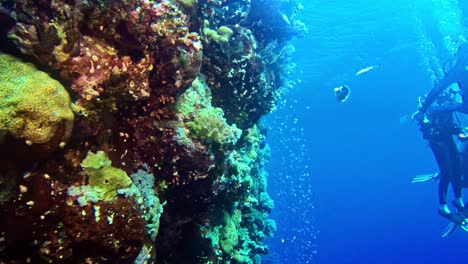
342, 93
458, 74
439, 128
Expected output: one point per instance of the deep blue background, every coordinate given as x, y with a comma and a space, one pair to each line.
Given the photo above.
341, 174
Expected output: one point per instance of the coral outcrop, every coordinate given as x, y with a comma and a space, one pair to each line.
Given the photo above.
205, 122
33, 106
150, 114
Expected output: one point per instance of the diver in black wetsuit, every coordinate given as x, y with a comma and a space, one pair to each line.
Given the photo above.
439, 128
458, 75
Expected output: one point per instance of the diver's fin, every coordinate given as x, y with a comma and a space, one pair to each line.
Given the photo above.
449, 229
464, 227
455, 218
425, 177
461, 209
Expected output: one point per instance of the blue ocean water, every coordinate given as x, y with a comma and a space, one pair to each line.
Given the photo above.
341, 174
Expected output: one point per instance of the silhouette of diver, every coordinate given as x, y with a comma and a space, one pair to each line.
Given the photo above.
439, 128
459, 75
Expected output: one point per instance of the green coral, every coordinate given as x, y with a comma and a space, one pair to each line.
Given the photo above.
103, 182
209, 125
33, 106
196, 97
96, 161
204, 122
220, 36
108, 179
247, 162
229, 237
226, 235
106, 182
240, 232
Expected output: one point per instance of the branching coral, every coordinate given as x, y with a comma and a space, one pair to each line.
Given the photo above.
143, 188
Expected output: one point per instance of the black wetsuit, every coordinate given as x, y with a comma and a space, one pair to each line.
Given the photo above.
458, 74
440, 133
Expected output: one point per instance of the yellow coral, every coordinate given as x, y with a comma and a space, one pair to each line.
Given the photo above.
33, 106
220, 36
108, 179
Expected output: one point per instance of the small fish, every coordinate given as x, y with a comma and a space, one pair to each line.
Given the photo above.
362, 71
285, 18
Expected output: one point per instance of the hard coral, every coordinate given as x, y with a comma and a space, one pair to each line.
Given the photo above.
205, 122
96, 160
104, 180
220, 36
209, 126
33, 106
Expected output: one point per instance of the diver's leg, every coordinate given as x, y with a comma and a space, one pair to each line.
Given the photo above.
443, 190
455, 169
443, 162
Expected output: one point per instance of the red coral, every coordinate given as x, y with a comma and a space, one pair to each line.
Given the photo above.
149, 49
97, 62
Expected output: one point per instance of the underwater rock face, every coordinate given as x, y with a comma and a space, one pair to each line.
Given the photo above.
150, 120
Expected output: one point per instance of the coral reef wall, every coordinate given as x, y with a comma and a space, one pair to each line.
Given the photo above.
130, 129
